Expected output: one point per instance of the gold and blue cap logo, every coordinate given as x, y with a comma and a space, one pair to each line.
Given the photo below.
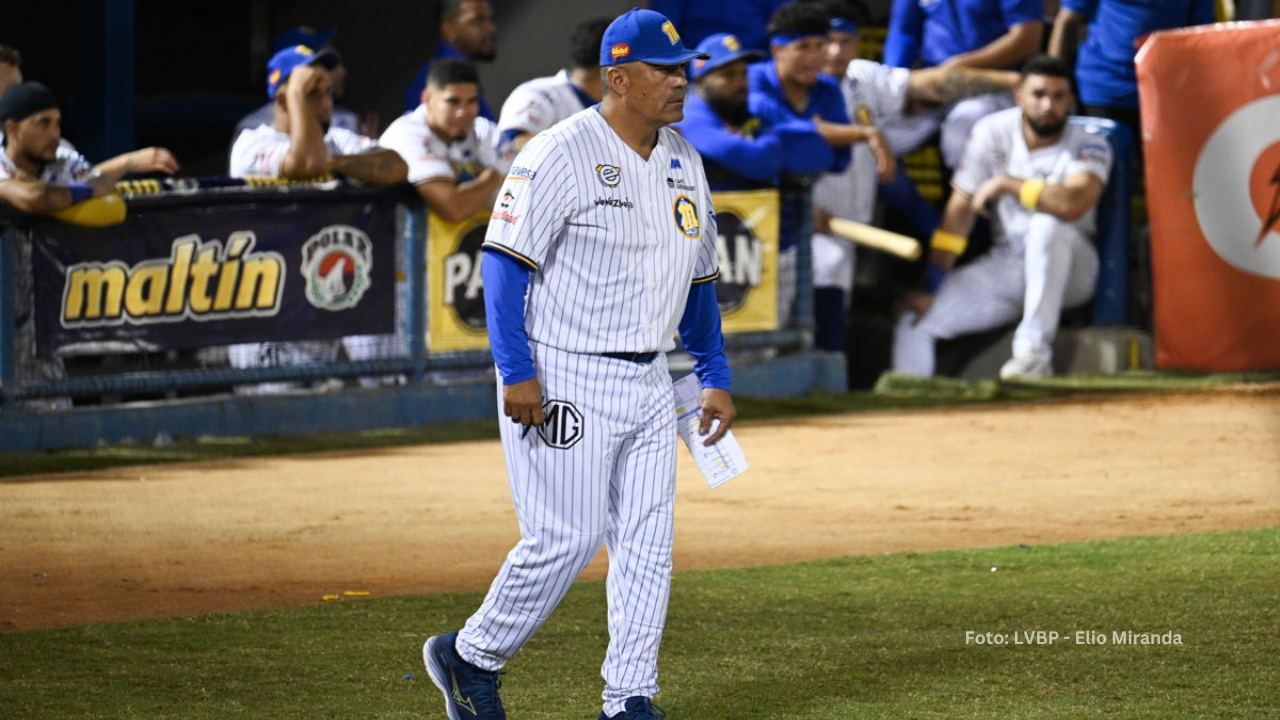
720, 49
640, 35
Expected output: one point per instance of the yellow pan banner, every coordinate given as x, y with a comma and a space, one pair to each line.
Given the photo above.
747, 289
748, 247
455, 301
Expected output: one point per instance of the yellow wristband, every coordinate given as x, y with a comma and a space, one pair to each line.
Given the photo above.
1029, 193
948, 242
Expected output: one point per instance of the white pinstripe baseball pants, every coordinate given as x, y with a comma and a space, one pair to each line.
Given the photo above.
614, 484
1053, 267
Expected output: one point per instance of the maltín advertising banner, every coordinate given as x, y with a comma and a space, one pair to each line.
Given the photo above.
192, 276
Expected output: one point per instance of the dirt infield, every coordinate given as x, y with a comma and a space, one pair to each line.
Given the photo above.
184, 539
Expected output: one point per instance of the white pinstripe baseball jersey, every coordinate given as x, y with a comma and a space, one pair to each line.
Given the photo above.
261, 151
617, 239
537, 104
431, 157
997, 146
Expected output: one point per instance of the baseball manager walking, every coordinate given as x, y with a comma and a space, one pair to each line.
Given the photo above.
601, 245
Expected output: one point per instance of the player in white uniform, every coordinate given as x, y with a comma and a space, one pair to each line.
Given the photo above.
539, 103
891, 100
1043, 176
300, 144
593, 262
454, 162
40, 173
451, 152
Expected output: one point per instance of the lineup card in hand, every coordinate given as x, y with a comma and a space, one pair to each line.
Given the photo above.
718, 463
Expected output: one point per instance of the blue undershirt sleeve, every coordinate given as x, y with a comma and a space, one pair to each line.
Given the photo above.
700, 331
506, 281
805, 151
906, 30
757, 158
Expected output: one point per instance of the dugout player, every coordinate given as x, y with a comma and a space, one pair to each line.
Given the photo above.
1041, 178
593, 261
467, 32
316, 40
539, 103
741, 151
888, 99
451, 152
792, 86
300, 144
42, 174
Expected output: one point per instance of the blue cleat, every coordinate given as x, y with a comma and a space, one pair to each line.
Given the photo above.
469, 692
638, 708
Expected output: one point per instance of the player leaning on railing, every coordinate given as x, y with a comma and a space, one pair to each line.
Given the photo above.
42, 174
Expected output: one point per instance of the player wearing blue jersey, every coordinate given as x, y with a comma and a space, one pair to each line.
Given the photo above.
600, 247
1105, 73
792, 87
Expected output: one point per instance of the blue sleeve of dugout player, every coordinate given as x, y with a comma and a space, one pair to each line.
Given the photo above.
505, 283
703, 340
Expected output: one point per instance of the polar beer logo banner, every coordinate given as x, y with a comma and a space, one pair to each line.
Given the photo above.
1211, 126
747, 287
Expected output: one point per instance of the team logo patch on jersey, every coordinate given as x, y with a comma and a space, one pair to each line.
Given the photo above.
675, 164
503, 211
610, 175
685, 214
619, 51
561, 426
336, 262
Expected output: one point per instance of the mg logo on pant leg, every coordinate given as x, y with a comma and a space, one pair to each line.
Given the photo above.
561, 425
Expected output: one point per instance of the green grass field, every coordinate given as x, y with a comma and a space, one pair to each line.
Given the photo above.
864, 637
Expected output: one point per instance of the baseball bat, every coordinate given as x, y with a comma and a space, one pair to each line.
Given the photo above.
902, 246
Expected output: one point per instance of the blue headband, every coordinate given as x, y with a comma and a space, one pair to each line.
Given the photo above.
784, 39
844, 25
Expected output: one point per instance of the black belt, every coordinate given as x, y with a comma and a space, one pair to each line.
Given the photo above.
644, 358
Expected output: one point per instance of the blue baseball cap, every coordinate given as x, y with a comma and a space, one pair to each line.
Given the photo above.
282, 64
644, 36
720, 49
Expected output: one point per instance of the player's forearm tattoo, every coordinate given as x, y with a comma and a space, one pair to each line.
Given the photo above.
383, 167
961, 83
